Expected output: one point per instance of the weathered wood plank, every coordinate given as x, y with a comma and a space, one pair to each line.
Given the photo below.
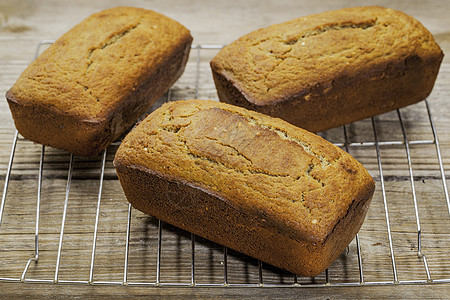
23, 24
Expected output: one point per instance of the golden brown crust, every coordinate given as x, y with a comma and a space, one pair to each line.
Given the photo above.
249, 181
325, 70
96, 80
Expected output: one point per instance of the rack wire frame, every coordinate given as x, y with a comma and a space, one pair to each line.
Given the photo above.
193, 283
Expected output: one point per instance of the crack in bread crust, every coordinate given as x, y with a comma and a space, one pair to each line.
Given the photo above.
252, 122
293, 41
111, 40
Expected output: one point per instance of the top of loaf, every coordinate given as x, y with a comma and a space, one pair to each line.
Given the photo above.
290, 59
285, 175
96, 64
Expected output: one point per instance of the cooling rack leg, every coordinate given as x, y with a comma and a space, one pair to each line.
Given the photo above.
438, 152
127, 247
225, 265
386, 212
358, 244
358, 247
260, 273
158, 260
413, 190
63, 222
38, 209
8, 174
192, 259
97, 215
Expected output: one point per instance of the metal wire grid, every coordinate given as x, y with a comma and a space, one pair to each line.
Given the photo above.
295, 282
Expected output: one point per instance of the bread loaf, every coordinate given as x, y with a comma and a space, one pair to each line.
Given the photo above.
96, 80
329, 69
245, 180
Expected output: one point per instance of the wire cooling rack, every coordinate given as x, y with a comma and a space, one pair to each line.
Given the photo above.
83, 231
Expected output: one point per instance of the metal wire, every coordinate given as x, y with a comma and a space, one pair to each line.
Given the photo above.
438, 152
192, 259
261, 282
8, 174
413, 189
158, 260
386, 211
127, 247
63, 222
225, 265
38, 211
358, 244
97, 215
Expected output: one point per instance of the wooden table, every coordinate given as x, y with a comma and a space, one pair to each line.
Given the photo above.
66, 259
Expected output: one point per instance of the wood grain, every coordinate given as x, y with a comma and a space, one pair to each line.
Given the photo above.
24, 23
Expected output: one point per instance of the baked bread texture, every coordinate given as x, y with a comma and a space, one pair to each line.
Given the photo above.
251, 182
97, 79
330, 69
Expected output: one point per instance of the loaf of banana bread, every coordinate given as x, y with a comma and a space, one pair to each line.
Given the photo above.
254, 183
329, 69
97, 79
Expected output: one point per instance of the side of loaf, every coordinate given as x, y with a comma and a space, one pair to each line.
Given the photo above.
253, 183
329, 69
97, 79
